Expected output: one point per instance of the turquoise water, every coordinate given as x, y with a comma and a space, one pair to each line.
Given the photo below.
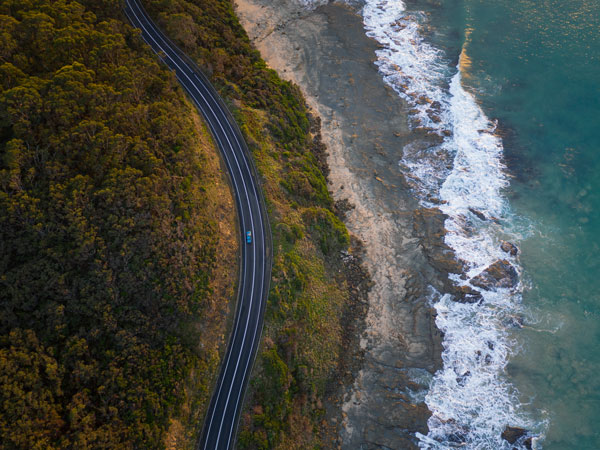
535, 66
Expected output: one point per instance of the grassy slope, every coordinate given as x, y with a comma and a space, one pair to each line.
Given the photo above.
303, 331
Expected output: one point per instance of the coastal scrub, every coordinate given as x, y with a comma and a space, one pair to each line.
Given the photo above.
309, 295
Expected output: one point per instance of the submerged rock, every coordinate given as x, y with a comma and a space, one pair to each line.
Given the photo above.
466, 294
510, 248
514, 321
462, 379
478, 213
516, 435
501, 274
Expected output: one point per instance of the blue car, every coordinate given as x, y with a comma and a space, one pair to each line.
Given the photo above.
248, 237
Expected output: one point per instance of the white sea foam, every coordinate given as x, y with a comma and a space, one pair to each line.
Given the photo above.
470, 398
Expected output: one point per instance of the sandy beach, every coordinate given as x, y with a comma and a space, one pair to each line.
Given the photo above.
364, 125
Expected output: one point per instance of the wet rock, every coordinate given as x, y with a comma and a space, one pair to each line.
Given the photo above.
516, 435
478, 213
429, 226
423, 100
457, 438
462, 379
510, 248
514, 322
436, 106
501, 274
512, 434
457, 435
434, 200
466, 294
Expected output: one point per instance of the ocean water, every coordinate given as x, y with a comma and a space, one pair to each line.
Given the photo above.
512, 87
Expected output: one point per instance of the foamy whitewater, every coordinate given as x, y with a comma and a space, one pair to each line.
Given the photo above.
470, 399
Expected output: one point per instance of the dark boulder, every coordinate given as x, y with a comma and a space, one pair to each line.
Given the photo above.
501, 274
429, 227
466, 294
510, 248
479, 214
516, 435
436, 106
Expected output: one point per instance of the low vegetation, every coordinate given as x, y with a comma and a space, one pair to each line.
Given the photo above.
302, 337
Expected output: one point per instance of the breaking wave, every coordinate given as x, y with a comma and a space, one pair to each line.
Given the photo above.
463, 175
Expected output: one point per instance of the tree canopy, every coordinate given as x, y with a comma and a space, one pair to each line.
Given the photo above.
106, 241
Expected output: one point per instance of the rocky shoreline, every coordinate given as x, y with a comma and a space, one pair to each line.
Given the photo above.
377, 399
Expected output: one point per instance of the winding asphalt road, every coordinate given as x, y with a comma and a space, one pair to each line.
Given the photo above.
220, 424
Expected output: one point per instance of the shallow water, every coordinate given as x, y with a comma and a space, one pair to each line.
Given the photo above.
516, 82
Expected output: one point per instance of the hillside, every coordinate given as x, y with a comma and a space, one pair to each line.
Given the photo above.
308, 326
113, 284
110, 207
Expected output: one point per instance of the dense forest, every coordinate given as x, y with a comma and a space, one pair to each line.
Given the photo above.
108, 241
107, 244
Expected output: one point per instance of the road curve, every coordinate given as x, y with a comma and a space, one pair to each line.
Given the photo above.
219, 430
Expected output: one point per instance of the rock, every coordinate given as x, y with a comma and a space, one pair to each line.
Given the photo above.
462, 379
501, 274
466, 294
436, 106
514, 321
458, 434
515, 435
423, 100
510, 248
512, 434
457, 438
478, 213
429, 226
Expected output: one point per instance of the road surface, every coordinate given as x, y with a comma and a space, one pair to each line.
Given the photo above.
219, 429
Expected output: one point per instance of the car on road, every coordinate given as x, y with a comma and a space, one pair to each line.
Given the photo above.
248, 237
